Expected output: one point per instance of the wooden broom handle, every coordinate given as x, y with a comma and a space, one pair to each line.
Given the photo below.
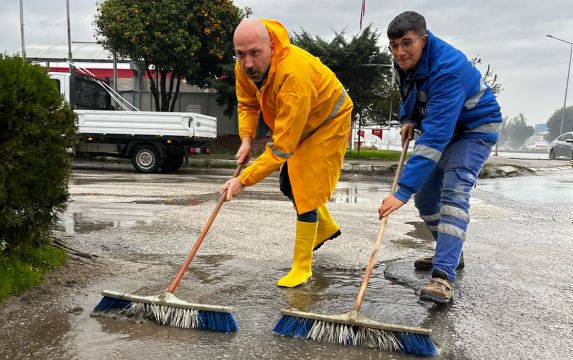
202, 235
380, 236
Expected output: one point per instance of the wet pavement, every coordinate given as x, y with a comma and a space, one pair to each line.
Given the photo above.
513, 299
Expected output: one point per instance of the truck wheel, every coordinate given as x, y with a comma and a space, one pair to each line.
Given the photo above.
145, 159
172, 163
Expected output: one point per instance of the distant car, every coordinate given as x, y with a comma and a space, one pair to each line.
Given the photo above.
562, 146
538, 146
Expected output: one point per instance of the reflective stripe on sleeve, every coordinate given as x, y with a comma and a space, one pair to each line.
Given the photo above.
489, 127
474, 100
278, 152
427, 152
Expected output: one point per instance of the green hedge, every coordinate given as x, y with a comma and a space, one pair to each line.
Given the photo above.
36, 129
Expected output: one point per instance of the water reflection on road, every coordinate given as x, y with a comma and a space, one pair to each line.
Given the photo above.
554, 189
148, 223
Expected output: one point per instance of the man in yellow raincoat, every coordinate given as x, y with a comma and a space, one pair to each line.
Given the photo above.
308, 111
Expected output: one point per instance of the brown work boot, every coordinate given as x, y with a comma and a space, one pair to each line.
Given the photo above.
438, 289
424, 263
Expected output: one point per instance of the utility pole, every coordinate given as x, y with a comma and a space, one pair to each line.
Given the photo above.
69, 34
22, 29
567, 82
70, 59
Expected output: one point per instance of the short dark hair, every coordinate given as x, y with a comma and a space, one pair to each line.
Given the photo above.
406, 21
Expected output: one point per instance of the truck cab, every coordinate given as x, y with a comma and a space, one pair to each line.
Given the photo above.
83, 92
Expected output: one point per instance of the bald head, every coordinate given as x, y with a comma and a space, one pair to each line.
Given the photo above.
251, 29
253, 48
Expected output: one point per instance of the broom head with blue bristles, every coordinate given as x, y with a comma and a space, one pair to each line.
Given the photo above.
167, 309
352, 328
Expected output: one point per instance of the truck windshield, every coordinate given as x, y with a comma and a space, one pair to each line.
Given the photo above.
89, 95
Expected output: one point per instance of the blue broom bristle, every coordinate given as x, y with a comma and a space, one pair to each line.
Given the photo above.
217, 321
293, 326
108, 304
206, 320
409, 343
417, 344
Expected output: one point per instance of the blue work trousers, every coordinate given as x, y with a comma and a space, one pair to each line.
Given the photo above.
444, 199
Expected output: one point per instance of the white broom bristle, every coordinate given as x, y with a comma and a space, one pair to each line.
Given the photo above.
352, 335
165, 315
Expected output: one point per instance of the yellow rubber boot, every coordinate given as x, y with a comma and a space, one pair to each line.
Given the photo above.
327, 228
301, 270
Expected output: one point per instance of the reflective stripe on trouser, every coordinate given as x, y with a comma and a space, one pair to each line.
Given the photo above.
444, 200
432, 221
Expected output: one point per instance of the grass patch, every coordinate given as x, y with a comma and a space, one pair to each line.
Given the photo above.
369, 154
24, 267
225, 153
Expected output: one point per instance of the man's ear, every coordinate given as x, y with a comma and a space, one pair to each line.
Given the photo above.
272, 47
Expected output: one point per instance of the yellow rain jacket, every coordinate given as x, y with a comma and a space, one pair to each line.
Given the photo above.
308, 111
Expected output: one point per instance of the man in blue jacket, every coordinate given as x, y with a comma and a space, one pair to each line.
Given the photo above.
444, 97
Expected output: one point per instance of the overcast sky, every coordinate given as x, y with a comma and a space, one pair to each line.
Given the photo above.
508, 34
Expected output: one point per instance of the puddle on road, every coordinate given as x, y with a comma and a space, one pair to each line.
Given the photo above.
249, 287
420, 231
352, 194
140, 213
420, 238
78, 224
113, 215
43, 341
531, 189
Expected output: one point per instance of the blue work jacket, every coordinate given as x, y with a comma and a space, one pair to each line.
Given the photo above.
445, 96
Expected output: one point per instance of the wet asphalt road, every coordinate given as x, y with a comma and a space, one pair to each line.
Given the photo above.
513, 299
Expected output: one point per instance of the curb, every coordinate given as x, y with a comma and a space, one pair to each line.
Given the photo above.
492, 169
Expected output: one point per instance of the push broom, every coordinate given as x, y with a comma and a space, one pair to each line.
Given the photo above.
166, 308
353, 328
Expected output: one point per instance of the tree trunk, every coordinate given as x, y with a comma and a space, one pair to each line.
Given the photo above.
176, 94
164, 99
152, 86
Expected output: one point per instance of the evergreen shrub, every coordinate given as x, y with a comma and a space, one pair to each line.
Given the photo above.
36, 128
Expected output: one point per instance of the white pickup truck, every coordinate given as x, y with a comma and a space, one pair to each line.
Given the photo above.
152, 140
